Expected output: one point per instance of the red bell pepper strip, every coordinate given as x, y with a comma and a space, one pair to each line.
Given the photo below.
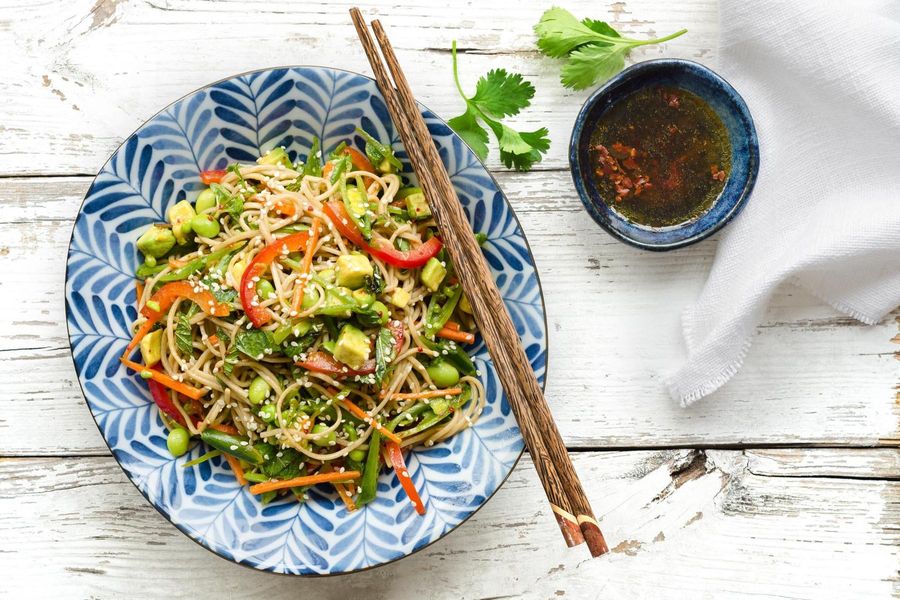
380, 247
166, 381
322, 362
208, 177
359, 160
161, 396
165, 297
259, 315
392, 449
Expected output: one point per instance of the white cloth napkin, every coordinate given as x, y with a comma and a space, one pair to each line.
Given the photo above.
822, 80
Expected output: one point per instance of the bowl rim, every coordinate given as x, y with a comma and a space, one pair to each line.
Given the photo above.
177, 526
738, 106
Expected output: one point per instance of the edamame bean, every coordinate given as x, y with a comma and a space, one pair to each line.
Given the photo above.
205, 201
357, 455
150, 260
259, 389
325, 439
177, 441
205, 225
268, 413
442, 373
265, 289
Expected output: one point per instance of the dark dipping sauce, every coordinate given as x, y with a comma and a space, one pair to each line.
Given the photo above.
661, 156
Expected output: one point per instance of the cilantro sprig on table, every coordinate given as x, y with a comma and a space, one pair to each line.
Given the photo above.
594, 50
499, 94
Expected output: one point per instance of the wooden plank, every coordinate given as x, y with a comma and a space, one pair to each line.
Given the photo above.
682, 524
874, 463
80, 76
812, 377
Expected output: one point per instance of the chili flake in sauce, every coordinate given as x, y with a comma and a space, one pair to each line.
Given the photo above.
662, 156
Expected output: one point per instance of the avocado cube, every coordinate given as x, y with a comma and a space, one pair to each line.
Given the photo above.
352, 347
151, 347
326, 275
400, 298
433, 274
386, 167
179, 217
274, 157
156, 241
363, 297
464, 305
417, 207
351, 270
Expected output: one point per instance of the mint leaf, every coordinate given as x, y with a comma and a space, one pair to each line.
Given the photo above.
183, 339
255, 343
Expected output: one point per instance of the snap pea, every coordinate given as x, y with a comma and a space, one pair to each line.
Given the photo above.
408, 415
297, 328
438, 315
430, 419
199, 263
202, 459
236, 446
369, 483
256, 477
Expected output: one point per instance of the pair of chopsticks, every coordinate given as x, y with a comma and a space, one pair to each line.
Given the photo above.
551, 460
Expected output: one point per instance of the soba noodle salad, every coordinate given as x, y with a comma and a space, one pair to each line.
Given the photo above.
303, 321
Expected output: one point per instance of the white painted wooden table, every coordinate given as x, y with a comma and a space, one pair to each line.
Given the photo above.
785, 484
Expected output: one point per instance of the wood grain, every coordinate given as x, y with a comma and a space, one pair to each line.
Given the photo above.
682, 524
773, 522
80, 76
812, 377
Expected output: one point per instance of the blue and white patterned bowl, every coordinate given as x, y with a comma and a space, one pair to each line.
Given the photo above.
235, 120
727, 104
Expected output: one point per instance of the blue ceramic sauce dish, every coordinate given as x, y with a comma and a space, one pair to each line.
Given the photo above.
721, 190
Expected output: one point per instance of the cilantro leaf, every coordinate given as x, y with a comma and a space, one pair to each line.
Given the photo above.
591, 64
594, 49
559, 32
501, 94
467, 127
601, 27
312, 167
233, 204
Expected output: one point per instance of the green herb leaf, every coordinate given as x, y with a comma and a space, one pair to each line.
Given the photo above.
590, 64
559, 32
374, 283
596, 51
233, 204
499, 94
472, 133
384, 353
255, 343
183, 339
303, 343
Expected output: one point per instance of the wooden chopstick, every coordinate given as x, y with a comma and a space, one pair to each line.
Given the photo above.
551, 459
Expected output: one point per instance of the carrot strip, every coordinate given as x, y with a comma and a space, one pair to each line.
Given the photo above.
305, 266
452, 325
394, 457
235, 465
269, 486
141, 332
285, 207
326, 170
457, 336
214, 340
427, 394
162, 378
345, 496
229, 429
139, 289
366, 417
